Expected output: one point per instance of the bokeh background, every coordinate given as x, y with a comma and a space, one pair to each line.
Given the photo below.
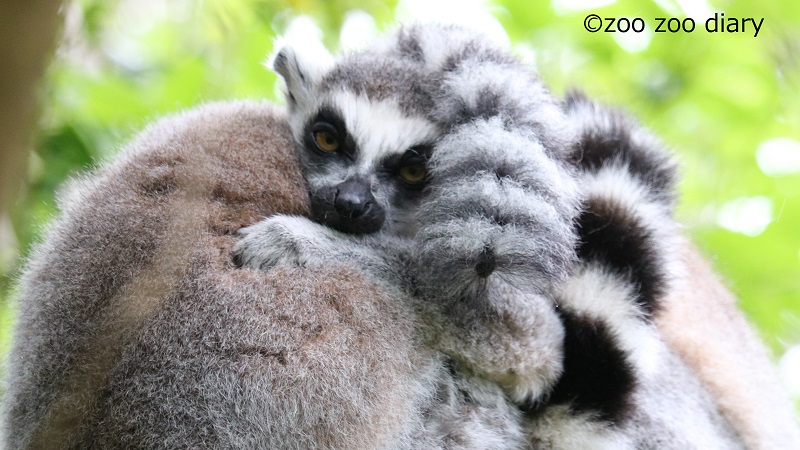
728, 103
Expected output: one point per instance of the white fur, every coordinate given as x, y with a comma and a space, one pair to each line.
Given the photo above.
380, 128
602, 295
560, 428
307, 56
616, 183
283, 240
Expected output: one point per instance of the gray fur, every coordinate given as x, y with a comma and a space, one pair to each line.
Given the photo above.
494, 191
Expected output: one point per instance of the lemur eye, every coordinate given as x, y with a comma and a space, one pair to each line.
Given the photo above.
327, 141
413, 174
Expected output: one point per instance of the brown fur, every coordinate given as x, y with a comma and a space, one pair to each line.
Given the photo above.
137, 270
702, 323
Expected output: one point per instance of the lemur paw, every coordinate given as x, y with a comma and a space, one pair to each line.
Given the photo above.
278, 241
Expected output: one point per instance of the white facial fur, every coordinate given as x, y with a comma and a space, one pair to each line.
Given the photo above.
380, 128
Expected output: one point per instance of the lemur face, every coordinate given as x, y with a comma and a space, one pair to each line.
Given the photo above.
362, 136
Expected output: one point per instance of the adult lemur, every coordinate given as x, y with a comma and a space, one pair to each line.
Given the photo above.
446, 169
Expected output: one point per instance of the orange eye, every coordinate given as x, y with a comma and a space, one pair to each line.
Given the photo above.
413, 174
326, 141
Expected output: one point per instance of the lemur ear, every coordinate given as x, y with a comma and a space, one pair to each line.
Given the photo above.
301, 69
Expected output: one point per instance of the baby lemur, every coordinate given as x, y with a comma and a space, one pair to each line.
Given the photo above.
456, 190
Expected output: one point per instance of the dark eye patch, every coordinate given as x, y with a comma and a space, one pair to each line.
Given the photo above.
329, 120
423, 151
416, 157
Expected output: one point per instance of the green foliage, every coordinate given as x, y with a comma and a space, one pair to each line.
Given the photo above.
713, 97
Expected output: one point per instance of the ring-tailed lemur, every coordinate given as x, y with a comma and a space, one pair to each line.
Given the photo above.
366, 128
457, 160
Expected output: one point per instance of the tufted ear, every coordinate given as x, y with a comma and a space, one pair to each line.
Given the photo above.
302, 69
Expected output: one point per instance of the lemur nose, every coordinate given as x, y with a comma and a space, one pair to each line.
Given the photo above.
353, 198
